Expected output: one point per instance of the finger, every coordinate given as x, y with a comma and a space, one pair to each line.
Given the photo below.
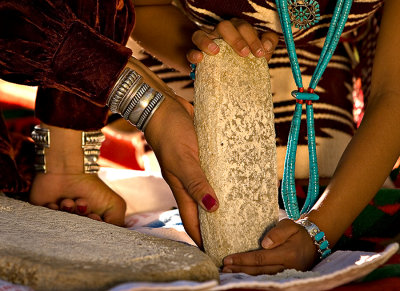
250, 35
67, 205
256, 258
197, 186
232, 36
194, 56
205, 42
82, 207
116, 214
279, 234
94, 216
188, 209
269, 41
254, 270
53, 206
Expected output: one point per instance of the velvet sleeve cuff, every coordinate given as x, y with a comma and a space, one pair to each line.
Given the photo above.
42, 42
88, 64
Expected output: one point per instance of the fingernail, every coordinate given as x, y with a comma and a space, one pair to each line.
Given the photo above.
260, 52
228, 261
67, 209
245, 50
208, 201
81, 209
267, 242
226, 270
212, 47
268, 45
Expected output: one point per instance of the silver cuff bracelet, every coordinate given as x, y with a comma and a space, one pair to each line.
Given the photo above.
91, 143
133, 99
41, 137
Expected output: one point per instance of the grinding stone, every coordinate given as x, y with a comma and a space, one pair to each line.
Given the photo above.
54, 250
234, 123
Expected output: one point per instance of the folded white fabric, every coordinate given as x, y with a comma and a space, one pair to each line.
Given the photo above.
340, 268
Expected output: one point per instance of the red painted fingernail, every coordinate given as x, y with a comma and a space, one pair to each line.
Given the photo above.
67, 209
208, 201
81, 209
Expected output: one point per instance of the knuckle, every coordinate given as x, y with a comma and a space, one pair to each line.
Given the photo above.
195, 186
259, 259
223, 24
197, 36
239, 43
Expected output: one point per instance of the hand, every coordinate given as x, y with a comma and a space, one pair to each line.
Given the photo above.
239, 34
82, 194
286, 246
65, 187
171, 134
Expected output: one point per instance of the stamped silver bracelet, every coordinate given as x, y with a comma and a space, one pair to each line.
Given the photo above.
133, 99
317, 236
41, 137
91, 143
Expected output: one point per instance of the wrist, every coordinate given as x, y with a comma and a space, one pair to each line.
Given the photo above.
66, 151
137, 94
318, 237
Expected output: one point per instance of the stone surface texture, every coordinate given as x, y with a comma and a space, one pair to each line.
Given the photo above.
53, 250
234, 122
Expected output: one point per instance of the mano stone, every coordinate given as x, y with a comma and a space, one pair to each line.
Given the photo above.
234, 122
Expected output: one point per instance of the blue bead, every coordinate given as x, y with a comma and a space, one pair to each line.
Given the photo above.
324, 245
305, 95
319, 236
192, 75
326, 253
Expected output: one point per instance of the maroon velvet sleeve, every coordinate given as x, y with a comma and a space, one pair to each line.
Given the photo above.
68, 110
44, 43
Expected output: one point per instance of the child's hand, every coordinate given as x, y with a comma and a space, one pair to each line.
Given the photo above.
239, 34
286, 246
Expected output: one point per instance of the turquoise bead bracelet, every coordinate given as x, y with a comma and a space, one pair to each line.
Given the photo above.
317, 236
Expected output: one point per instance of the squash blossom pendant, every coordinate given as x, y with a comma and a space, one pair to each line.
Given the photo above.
303, 14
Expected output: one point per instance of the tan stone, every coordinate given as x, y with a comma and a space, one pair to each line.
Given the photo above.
53, 250
236, 135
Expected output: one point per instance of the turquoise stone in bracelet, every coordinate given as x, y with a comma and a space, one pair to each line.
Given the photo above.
317, 236
288, 189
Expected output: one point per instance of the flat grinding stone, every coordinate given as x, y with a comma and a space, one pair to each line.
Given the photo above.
54, 250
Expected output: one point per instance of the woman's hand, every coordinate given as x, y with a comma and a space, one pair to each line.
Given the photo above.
286, 246
82, 194
65, 187
172, 136
239, 34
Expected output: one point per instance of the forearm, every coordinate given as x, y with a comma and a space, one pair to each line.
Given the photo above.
164, 31
363, 168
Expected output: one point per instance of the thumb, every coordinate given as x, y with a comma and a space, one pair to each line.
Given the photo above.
197, 186
269, 41
115, 215
279, 234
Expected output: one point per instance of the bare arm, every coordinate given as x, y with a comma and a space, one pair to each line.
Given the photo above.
364, 166
375, 148
164, 31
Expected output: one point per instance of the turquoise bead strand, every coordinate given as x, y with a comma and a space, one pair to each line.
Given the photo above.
288, 189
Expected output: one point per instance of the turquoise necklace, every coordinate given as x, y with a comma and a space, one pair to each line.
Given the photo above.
288, 189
